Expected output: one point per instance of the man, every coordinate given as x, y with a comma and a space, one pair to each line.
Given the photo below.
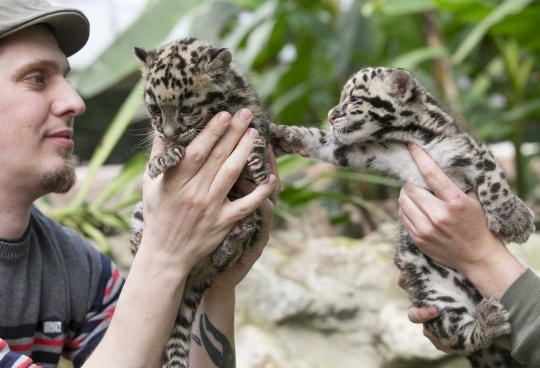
57, 294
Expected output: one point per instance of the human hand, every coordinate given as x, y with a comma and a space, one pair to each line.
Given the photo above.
450, 227
186, 210
227, 280
422, 315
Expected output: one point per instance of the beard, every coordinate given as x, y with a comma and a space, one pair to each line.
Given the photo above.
61, 180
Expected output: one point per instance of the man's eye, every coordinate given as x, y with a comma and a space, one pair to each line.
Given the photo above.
186, 110
154, 109
37, 79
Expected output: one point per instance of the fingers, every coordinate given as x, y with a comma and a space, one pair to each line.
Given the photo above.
197, 151
421, 315
436, 179
240, 208
221, 151
437, 343
230, 170
158, 145
402, 279
413, 210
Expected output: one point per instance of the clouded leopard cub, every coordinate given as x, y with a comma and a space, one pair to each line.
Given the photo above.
379, 112
187, 82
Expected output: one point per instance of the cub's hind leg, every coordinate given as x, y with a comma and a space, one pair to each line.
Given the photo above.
466, 322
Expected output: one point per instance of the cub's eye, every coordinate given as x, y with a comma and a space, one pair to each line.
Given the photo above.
154, 109
354, 99
186, 110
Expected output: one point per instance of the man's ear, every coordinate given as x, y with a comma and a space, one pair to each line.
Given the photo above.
141, 54
220, 59
403, 85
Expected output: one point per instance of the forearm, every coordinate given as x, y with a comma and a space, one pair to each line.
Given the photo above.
212, 343
493, 274
144, 315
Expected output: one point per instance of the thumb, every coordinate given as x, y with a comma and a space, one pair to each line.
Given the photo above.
157, 145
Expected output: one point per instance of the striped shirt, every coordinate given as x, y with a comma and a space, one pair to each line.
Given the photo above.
57, 297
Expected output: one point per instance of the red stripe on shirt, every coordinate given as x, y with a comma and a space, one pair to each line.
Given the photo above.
46, 342
26, 364
16, 348
115, 276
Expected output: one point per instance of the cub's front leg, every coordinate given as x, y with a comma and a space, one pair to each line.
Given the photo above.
316, 143
506, 213
323, 145
170, 157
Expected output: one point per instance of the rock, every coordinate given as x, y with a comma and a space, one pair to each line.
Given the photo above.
328, 302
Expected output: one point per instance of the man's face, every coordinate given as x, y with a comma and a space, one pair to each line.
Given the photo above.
37, 108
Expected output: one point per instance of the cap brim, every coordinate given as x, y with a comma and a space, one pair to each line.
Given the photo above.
71, 29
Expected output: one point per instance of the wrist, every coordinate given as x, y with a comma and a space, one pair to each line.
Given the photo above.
493, 274
157, 258
221, 294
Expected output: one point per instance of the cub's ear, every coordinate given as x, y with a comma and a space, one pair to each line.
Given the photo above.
220, 59
403, 85
141, 54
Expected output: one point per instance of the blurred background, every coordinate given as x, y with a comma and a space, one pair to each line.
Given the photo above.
481, 59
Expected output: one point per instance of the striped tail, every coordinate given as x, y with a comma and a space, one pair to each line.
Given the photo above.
177, 349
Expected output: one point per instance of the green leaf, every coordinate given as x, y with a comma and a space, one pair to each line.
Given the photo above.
503, 10
294, 94
257, 41
102, 242
212, 21
290, 164
131, 171
412, 59
265, 11
401, 7
118, 61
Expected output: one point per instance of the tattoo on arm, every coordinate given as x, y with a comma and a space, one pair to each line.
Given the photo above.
222, 359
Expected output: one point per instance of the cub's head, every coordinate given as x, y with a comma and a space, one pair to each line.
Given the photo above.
185, 86
374, 99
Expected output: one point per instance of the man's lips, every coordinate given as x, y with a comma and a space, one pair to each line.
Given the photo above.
62, 138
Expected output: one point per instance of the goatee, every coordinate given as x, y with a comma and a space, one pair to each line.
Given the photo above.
62, 179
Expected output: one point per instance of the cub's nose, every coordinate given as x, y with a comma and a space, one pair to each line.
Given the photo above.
332, 117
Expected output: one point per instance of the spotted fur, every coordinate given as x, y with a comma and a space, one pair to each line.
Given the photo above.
186, 83
380, 111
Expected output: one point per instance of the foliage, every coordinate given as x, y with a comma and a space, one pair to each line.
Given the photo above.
476, 55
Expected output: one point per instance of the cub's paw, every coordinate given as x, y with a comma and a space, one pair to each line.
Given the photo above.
512, 220
159, 163
134, 242
257, 166
493, 319
233, 246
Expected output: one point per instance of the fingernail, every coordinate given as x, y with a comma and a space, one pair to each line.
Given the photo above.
412, 146
244, 114
253, 133
272, 179
433, 311
224, 117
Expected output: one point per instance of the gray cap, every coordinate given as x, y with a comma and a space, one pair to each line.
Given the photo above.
70, 26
